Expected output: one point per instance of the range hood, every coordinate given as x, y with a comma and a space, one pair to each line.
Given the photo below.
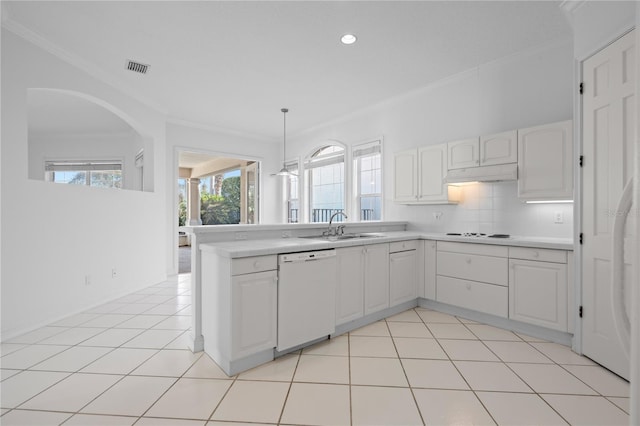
497, 173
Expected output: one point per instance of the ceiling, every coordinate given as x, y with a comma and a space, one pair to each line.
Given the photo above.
232, 65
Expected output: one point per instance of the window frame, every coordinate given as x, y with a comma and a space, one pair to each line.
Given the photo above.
84, 165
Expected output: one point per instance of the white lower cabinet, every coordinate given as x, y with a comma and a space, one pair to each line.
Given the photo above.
362, 281
482, 297
376, 278
403, 272
350, 285
473, 276
521, 283
538, 293
254, 312
240, 309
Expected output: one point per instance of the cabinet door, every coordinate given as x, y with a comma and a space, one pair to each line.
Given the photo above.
464, 154
538, 293
545, 162
376, 278
430, 270
350, 286
501, 148
432, 163
254, 313
405, 180
403, 276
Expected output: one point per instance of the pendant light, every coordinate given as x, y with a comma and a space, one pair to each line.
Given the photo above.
284, 171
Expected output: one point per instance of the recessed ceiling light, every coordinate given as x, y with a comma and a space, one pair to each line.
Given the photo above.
348, 39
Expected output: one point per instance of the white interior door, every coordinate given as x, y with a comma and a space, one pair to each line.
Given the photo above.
609, 123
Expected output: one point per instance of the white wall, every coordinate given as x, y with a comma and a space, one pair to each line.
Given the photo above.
188, 138
527, 89
55, 235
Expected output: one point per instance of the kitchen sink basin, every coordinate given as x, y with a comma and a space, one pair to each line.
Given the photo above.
342, 237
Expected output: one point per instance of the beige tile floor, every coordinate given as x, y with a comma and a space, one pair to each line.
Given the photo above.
126, 363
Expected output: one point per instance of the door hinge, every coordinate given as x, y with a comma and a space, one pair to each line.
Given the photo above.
580, 311
581, 88
581, 239
581, 160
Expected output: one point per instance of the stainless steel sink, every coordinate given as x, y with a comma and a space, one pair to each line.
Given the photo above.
342, 237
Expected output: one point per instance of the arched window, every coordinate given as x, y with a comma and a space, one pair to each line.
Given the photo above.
326, 183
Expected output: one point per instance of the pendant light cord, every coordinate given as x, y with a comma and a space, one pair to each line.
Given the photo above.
284, 145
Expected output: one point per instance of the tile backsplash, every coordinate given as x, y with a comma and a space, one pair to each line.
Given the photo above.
494, 208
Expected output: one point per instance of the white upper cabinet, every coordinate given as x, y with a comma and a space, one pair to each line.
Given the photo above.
432, 166
501, 148
405, 183
463, 154
545, 162
419, 176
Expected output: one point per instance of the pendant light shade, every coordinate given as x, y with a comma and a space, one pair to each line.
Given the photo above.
284, 171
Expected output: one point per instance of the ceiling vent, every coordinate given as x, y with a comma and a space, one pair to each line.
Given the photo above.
136, 67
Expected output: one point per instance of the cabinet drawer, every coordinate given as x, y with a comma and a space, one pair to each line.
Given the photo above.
249, 265
486, 269
403, 246
474, 248
487, 298
543, 255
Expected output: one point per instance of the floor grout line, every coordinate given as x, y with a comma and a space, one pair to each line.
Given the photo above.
178, 289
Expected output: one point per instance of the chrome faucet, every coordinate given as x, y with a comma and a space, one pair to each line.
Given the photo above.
341, 227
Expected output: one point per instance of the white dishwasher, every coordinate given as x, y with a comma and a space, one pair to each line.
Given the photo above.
306, 297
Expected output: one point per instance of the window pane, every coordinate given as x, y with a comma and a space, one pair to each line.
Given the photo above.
71, 177
371, 207
369, 175
327, 192
106, 179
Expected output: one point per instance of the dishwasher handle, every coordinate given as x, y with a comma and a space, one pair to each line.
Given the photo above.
306, 256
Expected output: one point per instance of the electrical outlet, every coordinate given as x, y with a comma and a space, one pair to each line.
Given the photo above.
558, 217
437, 215
87, 280
114, 273
241, 235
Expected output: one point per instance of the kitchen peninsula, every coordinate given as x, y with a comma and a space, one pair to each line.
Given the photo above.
519, 283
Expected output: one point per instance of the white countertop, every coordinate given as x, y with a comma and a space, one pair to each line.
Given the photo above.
247, 248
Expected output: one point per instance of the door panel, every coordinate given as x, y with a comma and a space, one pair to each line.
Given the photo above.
609, 123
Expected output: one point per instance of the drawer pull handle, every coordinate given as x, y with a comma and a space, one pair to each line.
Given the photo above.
536, 254
468, 261
256, 264
468, 286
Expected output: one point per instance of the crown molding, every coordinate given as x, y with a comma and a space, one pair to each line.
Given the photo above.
216, 129
76, 61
